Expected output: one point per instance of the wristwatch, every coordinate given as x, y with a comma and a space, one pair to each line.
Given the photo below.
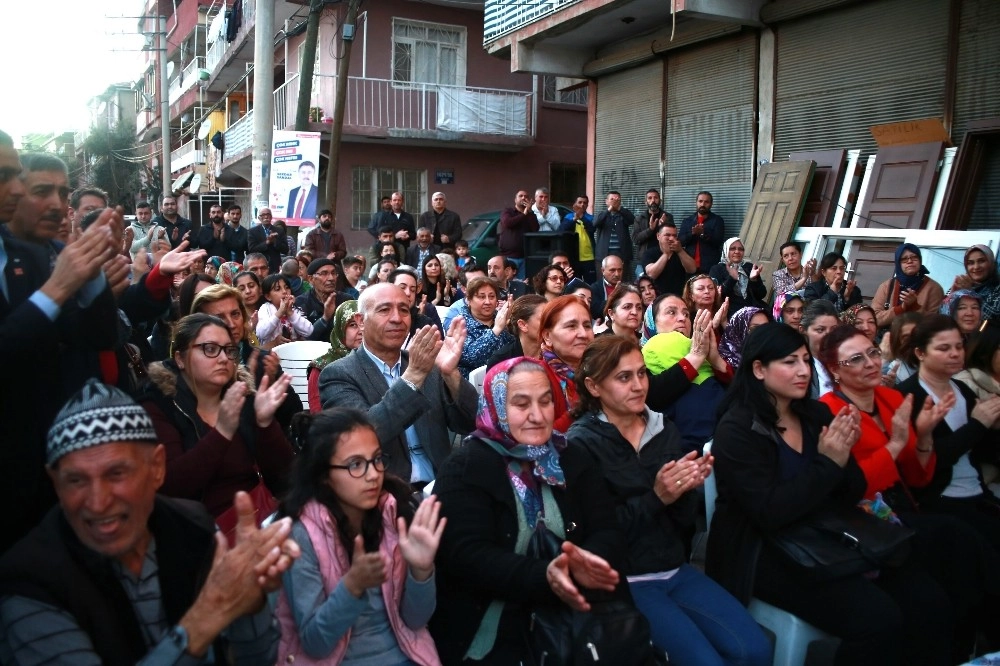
178, 635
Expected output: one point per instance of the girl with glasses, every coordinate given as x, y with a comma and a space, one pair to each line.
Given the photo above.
220, 434
364, 586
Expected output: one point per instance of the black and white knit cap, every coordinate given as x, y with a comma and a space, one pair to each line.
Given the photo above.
97, 414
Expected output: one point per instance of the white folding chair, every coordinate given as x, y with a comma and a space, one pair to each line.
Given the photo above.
792, 634
477, 377
295, 358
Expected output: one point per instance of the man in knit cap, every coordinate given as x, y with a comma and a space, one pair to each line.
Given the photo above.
117, 573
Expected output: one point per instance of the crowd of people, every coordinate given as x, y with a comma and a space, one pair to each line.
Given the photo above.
151, 433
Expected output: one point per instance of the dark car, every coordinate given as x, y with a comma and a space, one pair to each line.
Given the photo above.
481, 233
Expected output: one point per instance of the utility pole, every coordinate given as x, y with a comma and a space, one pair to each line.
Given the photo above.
308, 67
263, 98
165, 170
340, 102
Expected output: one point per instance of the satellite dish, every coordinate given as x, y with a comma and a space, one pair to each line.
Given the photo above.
170, 69
181, 182
204, 129
195, 184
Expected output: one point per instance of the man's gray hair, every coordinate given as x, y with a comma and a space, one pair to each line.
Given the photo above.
604, 261
423, 229
543, 190
42, 162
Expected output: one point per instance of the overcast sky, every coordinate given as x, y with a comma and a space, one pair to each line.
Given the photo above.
56, 55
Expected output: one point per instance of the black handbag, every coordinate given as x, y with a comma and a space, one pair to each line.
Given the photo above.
612, 631
843, 542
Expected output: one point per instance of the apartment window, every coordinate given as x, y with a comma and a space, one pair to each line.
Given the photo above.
370, 184
550, 93
427, 53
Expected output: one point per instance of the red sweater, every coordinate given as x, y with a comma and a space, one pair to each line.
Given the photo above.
871, 454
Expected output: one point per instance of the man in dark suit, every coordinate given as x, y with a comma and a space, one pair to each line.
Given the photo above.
611, 274
302, 199
423, 248
413, 398
268, 240
41, 312
445, 224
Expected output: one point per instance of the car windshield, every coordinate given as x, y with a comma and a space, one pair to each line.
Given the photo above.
474, 228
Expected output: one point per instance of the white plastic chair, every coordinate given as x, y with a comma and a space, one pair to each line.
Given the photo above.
792, 634
477, 377
295, 359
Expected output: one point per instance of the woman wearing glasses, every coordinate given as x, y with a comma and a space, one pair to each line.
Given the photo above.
908, 290
549, 282
363, 589
899, 459
218, 431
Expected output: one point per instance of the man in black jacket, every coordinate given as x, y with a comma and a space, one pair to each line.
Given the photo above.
403, 228
214, 237
175, 225
116, 573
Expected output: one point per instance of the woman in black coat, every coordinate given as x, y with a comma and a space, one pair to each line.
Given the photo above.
780, 458
739, 280
512, 467
834, 284
655, 489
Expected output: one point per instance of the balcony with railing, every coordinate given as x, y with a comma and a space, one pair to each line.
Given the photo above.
187, 155
501, 17
394, 109
239, 137
186, 80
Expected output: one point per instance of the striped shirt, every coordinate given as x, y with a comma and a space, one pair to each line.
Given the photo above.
33, 632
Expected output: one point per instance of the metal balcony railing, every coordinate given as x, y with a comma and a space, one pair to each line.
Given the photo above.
217, 52
402, 106
501, 16
185, 80
186, 155
239, 136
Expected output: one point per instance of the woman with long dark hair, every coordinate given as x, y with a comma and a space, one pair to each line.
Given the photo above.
364, 586
623, 311
549, 282
780, 459
654, 485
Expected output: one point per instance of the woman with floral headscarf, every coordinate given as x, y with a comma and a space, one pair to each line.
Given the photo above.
863, 318
345, 337
212, 266
513, 469
981, 277
740, 280
908, 290
966, 307
741, 323
789, 308
228, 270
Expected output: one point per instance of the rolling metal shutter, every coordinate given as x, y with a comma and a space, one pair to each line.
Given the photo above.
977, 96
710, 128
841, 71
627, 142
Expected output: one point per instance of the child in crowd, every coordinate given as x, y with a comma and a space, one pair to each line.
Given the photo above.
278, 320
462, 254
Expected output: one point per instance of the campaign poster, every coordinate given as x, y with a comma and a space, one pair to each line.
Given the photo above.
294, 172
